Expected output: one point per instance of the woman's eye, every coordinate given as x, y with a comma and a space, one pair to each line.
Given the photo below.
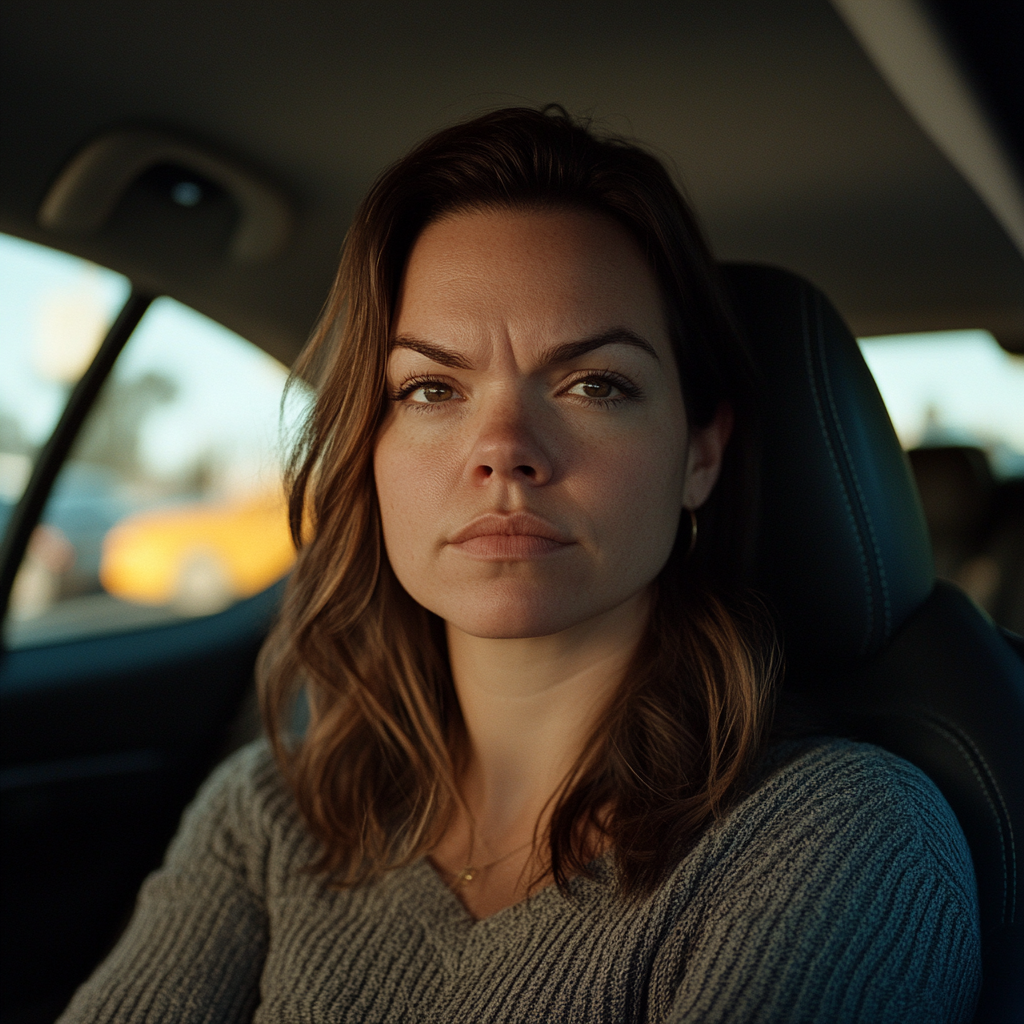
596, 388
431, 394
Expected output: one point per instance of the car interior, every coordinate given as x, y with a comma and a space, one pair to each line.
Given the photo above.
176, 181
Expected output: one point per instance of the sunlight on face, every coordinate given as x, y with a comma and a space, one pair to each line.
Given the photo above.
532, 469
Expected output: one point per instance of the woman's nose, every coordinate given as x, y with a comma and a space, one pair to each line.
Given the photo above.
508, 447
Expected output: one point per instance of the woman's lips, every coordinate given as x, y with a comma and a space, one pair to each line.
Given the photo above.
510, 537
504, 548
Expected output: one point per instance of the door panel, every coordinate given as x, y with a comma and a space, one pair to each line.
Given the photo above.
105, 740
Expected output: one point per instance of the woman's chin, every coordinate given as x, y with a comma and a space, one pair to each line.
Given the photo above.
514, 620
521, 608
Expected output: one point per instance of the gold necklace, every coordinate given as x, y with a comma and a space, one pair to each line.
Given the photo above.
469, 872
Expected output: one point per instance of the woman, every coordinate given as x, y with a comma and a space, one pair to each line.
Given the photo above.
534, 784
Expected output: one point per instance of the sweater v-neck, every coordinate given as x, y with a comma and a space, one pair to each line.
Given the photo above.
460, 940
452, 913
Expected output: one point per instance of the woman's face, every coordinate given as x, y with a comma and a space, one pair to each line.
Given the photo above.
536, 458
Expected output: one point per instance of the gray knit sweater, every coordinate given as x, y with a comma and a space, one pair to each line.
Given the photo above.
841, 890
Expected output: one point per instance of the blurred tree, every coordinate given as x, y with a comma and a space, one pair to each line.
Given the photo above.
12, 437
112, 433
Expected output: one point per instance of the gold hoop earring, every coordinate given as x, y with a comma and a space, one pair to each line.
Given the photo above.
693, 532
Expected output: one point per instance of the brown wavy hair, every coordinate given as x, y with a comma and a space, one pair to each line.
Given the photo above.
375, 773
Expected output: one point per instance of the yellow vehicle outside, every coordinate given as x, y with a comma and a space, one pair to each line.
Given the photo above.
199, 557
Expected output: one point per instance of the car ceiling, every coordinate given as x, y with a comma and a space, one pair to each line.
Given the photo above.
792, 148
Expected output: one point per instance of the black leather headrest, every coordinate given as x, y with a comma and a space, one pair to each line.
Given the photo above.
843, 554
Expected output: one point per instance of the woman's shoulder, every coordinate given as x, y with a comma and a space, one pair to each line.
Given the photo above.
825, 772
248, 780
251, 772
834, 765
844, 888
243, 811
821, 776
839, 798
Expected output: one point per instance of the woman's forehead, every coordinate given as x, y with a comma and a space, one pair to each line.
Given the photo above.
539, 273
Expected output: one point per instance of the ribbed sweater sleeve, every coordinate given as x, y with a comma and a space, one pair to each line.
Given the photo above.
196, 944
846, 893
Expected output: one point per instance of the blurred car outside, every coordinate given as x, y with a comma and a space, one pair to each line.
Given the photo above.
198, 558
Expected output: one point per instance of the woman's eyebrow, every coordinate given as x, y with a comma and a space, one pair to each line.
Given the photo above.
441, 355
563, 353
615, 336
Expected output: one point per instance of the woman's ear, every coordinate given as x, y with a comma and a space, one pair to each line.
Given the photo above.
704, 456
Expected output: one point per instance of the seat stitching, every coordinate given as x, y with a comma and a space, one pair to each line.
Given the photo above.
879, 564
949, 732
1002, 803
835, 465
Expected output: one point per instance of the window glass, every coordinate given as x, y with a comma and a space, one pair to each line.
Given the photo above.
170, 504
55, 309
953, 388
957, 402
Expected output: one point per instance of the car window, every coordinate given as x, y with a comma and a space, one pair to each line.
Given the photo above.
956, 400
953, 388
170, 504
54, 311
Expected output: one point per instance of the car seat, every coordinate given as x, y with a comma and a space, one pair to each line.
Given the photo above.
875, 647
957, 492
976, 525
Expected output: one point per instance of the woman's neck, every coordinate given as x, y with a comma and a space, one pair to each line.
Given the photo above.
529, 706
